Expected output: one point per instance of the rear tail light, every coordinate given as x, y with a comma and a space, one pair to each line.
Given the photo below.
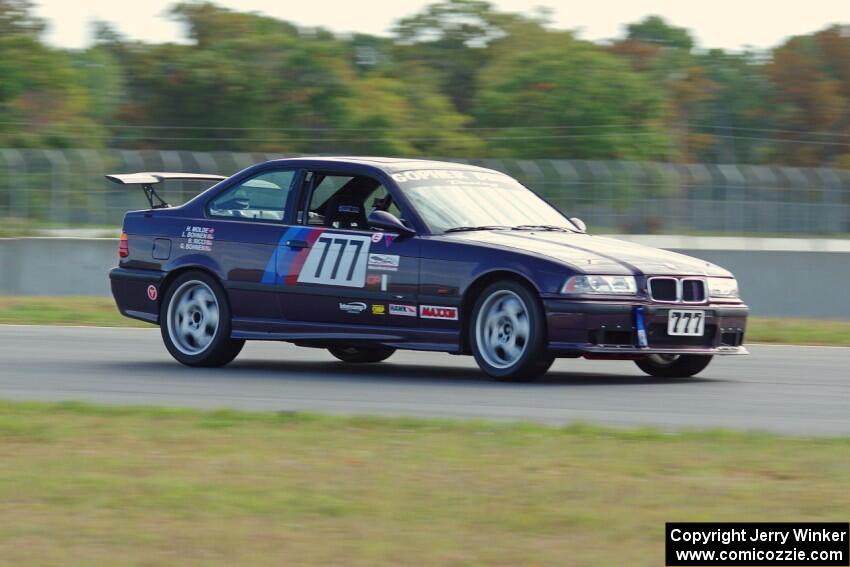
123, 246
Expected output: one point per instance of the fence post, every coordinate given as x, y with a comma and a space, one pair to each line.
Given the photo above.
564, 199
93, 172
791, 206
59, 176
6, 210
831, 192
18, 193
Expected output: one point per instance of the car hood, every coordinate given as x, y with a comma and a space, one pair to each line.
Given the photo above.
596, 254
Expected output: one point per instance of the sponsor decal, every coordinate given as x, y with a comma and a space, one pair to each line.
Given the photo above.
403, 310
379, 309
389, 238
336, 259
199, 238
377, 237
422, 174
373, 280
352, 307
384, 262
446, 174
438, 312
152, 292
384, 280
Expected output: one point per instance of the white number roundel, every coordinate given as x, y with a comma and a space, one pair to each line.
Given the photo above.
337, 259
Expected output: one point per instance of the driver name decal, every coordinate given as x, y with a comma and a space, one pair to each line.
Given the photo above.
198, 238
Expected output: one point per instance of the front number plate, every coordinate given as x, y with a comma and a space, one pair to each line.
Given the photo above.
682, 323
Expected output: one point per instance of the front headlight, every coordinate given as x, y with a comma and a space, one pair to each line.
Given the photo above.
723, 288
616, 285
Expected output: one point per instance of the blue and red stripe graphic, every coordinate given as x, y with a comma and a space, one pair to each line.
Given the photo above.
285, 263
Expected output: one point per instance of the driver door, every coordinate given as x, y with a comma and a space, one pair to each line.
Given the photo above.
338, 270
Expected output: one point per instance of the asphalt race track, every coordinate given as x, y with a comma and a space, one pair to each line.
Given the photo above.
787, 389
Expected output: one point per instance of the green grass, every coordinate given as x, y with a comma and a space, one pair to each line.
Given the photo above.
89, 485
13, 227
798, 331
102, 312
95, 311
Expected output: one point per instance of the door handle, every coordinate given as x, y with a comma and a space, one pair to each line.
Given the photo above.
297, 243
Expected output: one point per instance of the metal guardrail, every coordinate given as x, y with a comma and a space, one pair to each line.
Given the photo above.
67, 188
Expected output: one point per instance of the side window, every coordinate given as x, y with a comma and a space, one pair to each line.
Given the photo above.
380, 200
263, 197
341, 201
327, 188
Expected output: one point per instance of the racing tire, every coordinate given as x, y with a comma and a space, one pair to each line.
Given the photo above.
195, 322
507, 333
673, 366
361, 355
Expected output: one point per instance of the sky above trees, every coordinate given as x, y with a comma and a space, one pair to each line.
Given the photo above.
726, 24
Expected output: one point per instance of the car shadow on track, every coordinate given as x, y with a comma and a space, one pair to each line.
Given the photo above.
392, 373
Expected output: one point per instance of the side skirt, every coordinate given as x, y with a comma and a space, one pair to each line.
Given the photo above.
323, 333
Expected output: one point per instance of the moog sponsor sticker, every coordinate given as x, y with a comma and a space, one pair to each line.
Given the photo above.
438, 312
353, 307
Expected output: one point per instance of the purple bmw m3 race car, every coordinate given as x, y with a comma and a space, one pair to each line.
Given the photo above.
363, 256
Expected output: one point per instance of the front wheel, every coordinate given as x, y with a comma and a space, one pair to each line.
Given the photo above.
195, 322
361, 355
508, 333
673, 365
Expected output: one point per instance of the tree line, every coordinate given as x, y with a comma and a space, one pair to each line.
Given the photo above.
460, 78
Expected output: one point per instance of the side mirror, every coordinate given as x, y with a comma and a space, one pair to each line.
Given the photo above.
582, 228
382, 220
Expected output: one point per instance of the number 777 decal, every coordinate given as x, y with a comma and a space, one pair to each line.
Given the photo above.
337, 259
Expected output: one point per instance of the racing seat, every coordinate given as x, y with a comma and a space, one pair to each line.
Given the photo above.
345, 210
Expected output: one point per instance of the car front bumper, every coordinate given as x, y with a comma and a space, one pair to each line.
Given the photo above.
604, 329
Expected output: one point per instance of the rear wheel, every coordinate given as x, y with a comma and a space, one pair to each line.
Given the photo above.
508, 333
673, 365
361, 354
195, 322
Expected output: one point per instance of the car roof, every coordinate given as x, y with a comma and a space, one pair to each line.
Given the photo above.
387, 164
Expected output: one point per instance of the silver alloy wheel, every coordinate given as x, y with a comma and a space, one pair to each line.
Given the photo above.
663, 359
193, 316
503, 329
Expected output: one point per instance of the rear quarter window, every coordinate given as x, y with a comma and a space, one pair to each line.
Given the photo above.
263, 197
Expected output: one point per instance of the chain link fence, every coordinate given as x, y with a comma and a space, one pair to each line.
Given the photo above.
66, 188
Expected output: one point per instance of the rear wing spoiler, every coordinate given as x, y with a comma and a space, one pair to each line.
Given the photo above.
148, 179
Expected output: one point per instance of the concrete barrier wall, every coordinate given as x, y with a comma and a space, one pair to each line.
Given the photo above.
57, 266
778, 277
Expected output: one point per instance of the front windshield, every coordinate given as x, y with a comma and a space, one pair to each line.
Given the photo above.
457, 199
